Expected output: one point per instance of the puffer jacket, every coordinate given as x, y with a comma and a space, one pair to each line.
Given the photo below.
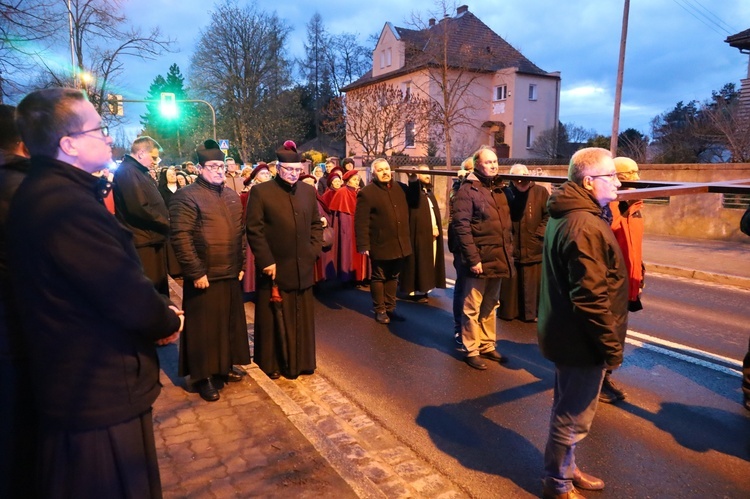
482, 227
583, 304
207, 231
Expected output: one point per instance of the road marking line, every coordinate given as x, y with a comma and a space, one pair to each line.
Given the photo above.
651, 343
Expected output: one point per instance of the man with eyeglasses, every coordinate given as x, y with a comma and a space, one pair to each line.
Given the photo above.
286, 236
583, 311
140, 207
90, 317
233, 178
207, 237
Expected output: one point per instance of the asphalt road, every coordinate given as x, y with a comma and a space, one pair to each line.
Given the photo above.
681, 433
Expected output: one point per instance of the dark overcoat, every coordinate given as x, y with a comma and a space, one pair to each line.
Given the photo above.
138, 204
424, 269
283, 227
91, 315
381, 221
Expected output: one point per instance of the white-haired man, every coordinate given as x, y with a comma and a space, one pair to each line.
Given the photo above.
381, 225
583, 311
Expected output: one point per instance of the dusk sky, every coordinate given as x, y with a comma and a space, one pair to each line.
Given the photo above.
675, 48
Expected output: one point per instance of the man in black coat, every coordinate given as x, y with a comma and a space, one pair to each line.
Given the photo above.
207, 237
286, 236
17, 416
424, 269
140, 207
482, 228
90, 317
381, 226
583, 311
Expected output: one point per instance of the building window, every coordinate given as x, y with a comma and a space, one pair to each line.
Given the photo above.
409, 134
529, 136
501, 92
382, 59
406, 90
388, 57
532, 92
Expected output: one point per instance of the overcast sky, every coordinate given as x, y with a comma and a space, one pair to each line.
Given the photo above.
675, 48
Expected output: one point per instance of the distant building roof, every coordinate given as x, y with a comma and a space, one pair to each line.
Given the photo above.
472, 45
740, 41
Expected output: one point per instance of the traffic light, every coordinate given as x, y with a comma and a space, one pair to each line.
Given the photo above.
168, 106
114, 102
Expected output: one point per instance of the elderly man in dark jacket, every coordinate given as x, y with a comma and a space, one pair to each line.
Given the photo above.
90, 317
207, 230
482, 228
140, 207
519, 294
285, 233
583, 311
381, 226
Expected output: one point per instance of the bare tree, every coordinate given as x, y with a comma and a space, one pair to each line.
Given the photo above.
25, 29
380, 118
241, 67
347, 59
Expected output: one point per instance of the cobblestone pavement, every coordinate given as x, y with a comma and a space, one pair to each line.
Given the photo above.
273, 438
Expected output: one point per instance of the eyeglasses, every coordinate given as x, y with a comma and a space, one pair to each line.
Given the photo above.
610, 176
104, 129
215, 168
298, 171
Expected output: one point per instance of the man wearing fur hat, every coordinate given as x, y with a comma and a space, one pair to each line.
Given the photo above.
286, 235
207, 230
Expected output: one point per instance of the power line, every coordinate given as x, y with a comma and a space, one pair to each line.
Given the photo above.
729, 29
703, 18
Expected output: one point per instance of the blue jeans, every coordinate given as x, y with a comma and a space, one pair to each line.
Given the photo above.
573, 408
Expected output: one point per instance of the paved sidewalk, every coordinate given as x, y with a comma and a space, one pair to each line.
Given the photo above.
721, 262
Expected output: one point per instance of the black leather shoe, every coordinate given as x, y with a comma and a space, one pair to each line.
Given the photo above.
274, 375
585, 481
494, 355
394, 316
233, 377
476, 363
207, 390
239, 370
613, 388
382, 318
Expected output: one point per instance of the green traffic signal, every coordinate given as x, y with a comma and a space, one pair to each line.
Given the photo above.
168, 106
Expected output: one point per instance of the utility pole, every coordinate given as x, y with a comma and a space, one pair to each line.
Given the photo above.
618, 87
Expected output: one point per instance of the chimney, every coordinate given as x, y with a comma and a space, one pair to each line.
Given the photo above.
462, 9
432, 21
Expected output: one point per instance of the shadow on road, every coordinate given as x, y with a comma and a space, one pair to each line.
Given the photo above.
700, 428
462, 430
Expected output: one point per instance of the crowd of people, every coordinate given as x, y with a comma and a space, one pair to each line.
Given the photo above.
569, 259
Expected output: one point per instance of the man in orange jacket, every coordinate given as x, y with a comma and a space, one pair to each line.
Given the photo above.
627, 224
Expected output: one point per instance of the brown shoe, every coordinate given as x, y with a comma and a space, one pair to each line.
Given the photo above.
571, 494
585, 481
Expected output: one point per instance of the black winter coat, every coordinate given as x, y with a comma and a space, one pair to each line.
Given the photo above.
482, 228
583, 304
284, 227
138, 204
381, 222
90, 315
530, 224
207, 231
